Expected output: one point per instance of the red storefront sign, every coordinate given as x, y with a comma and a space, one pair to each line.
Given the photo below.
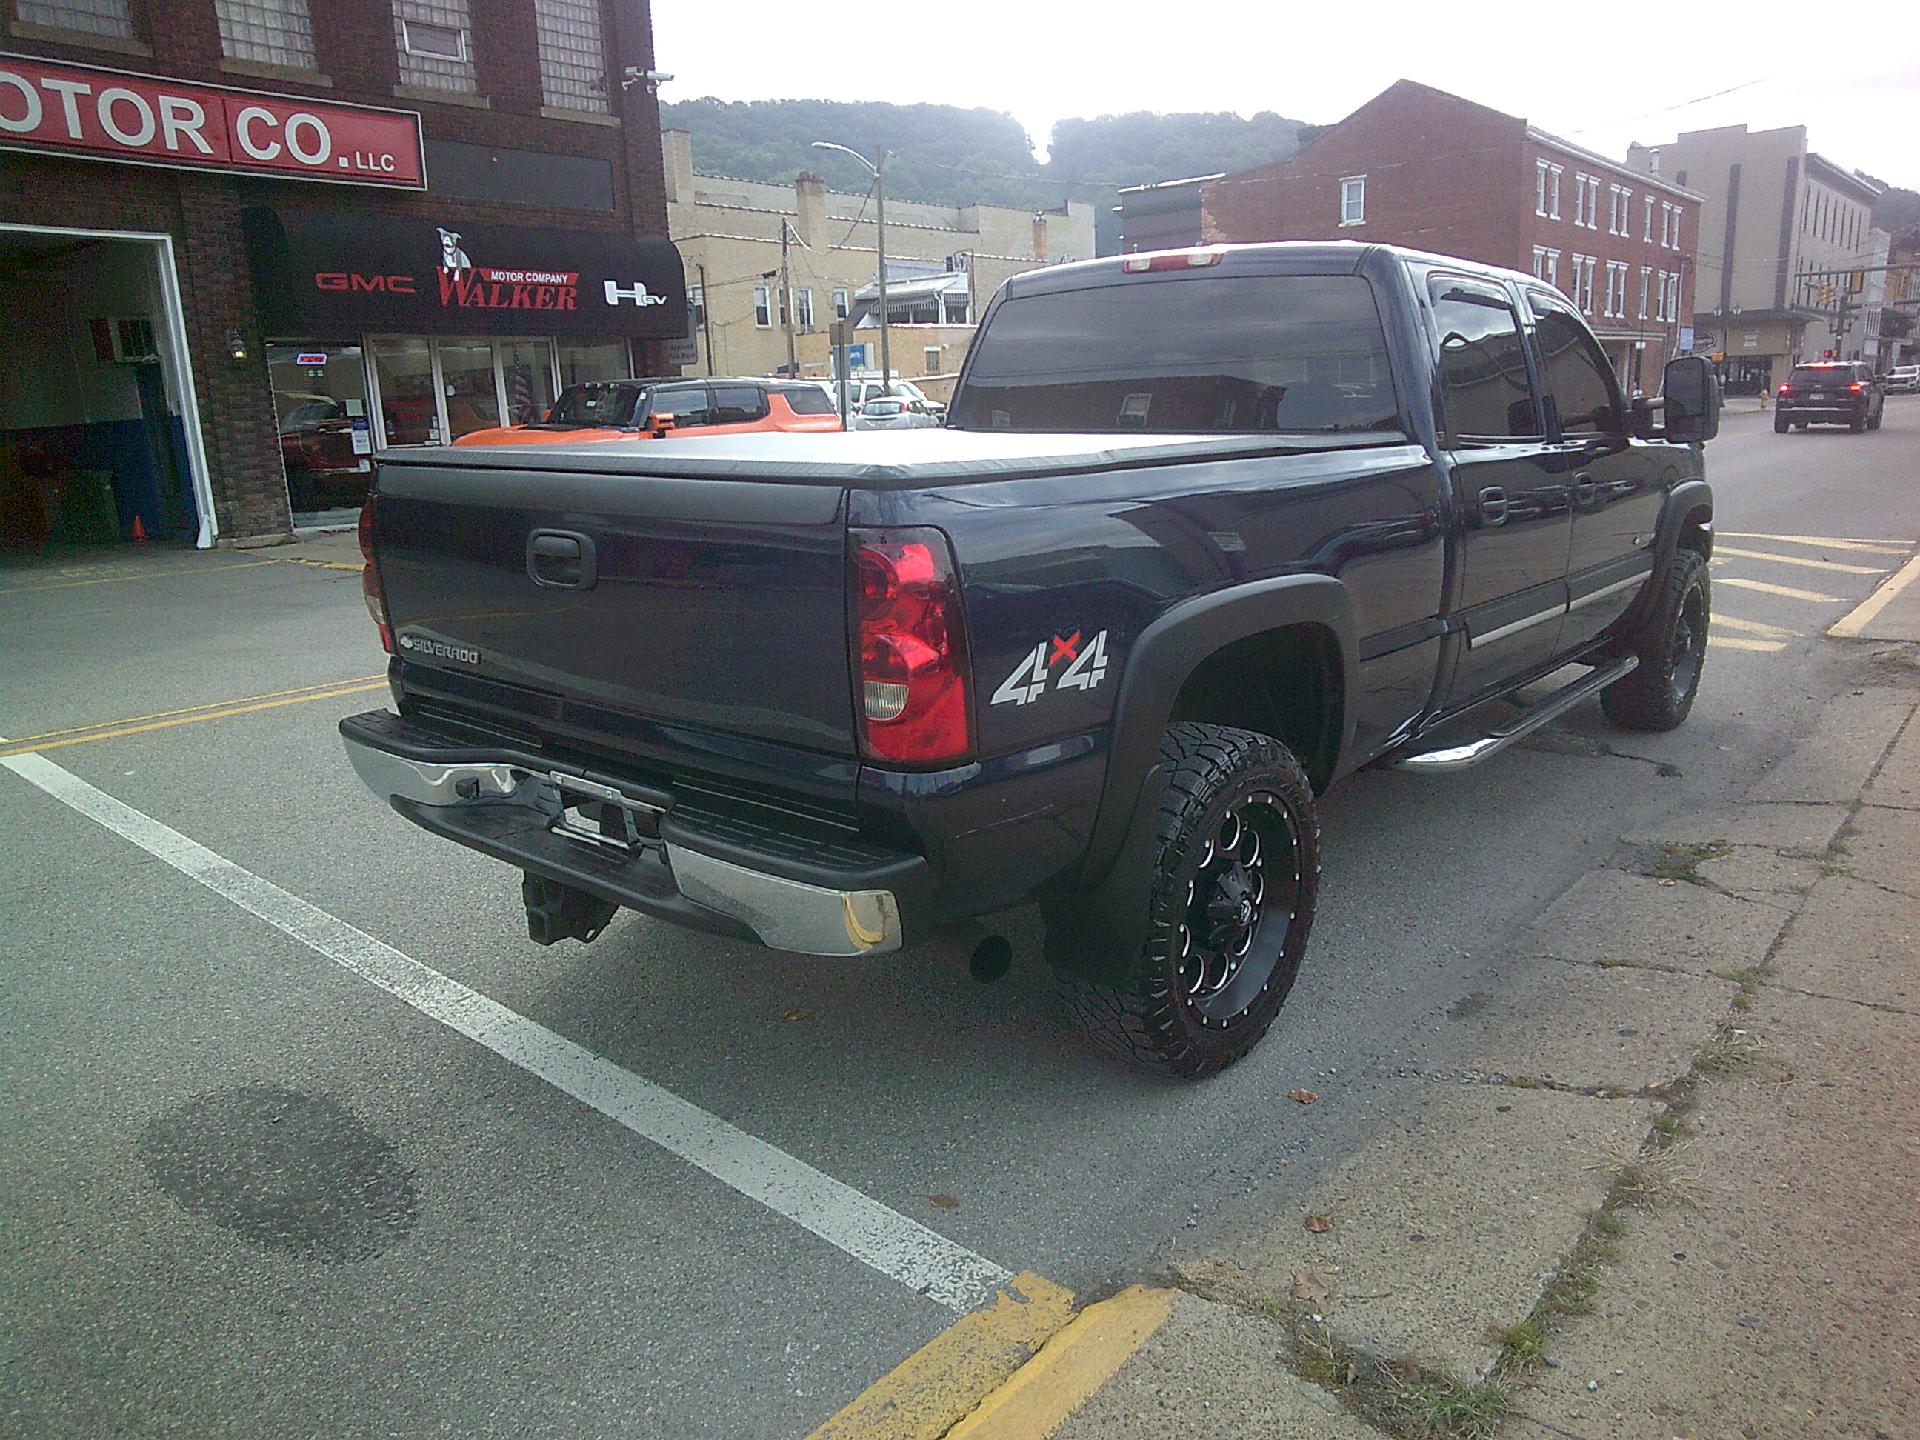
82, 111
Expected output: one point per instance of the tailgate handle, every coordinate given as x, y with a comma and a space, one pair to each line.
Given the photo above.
560, 560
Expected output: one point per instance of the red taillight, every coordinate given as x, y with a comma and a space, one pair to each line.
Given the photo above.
370, 577
1171, 260
1856, 387
911, 648
1786, 389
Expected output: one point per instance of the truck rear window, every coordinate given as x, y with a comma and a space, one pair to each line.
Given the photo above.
1185, 354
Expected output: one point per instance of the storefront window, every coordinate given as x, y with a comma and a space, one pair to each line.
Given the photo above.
526, 374
404, 369
466, 373
320, 400
582, 362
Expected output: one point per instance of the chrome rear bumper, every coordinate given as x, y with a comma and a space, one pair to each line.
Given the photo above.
515, 812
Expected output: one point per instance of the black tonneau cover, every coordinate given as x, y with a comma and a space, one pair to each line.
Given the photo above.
873, 459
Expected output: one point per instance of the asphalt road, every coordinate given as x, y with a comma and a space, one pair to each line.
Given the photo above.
244, 1191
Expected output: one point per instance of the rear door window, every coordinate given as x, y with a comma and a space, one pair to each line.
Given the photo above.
738, 405
1185, 354
1486, 391
808, 400
686, 403
1579, 382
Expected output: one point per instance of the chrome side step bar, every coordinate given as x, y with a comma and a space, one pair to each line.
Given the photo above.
1459, 757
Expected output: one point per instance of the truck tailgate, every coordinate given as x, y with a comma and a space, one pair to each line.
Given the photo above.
712, 604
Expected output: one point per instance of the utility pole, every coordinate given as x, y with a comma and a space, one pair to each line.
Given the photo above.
706, 316
786, 301
880, 226
878, 169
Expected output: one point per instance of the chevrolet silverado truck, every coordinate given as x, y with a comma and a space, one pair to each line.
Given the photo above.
1206, 531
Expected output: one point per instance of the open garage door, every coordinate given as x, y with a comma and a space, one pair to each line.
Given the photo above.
99, 432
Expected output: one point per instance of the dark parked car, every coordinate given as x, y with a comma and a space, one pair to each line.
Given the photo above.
1207, 531
1834, 392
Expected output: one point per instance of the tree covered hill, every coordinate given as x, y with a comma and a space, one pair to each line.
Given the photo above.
947, 155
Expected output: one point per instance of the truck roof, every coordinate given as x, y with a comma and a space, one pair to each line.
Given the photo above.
1274, 257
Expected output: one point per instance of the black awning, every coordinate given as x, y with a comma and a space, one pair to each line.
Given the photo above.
320, 273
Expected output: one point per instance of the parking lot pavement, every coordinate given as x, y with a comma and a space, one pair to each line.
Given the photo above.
516, 1260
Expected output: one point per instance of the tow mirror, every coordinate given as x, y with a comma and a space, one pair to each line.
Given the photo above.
1692, 400
661, 423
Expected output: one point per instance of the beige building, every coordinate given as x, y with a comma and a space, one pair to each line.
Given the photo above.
943, 264
1779, 223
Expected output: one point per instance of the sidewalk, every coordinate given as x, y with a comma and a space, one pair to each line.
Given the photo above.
1694, 1216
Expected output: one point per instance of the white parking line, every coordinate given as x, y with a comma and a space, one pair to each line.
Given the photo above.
1882, 547
1734, 642
896, 1246
1863, 614
1787, 590
1802, 561
1724, 621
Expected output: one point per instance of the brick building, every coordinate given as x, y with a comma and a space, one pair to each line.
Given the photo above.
1417, 166
245, 242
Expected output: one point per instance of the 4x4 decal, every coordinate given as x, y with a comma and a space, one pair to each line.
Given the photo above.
1086, 667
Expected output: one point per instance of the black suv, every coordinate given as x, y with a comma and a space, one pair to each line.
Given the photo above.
1834, 392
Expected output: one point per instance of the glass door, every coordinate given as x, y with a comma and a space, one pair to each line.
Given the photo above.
326, 436
526, 379
409, 411
468, 382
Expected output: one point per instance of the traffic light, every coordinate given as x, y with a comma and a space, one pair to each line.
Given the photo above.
1827, 292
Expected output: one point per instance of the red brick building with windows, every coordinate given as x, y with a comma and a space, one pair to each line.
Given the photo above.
1416, 166
244, 243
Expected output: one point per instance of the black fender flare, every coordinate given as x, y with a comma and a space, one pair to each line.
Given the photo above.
1159, 663
1686, 500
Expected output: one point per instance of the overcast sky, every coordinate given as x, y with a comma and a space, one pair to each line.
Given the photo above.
1040, 62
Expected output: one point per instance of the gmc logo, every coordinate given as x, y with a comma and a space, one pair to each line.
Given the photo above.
384, 284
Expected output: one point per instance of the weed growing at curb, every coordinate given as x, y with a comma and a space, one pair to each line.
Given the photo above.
1683, 862
1401, 1396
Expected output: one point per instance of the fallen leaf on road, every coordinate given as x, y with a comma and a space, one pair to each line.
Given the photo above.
1310, 1287
1319, 1224
796, 1014
1669, 884
945, 1202
1305, 1097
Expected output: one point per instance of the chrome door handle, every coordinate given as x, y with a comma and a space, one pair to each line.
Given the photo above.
1585, 488
1493, 505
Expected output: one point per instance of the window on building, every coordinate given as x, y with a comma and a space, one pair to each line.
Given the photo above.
839, 304
1552, 277
1613, 210
1660, 300
266, 32
1678, 211
1540, 187
1673, 299
1579, 383
1586, 285
435, 44
1486, 393
957, 309
1646, 284
1539, 262
1554, 173
573, 57
930, 359
110, 18
1647, 234
763, 307
1353, 200
803, 309
697, 305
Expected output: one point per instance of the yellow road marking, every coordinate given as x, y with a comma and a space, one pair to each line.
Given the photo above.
1887, 547
193, 709
319, 564
945, 1379
1752, 627
1787, 590
20, 748
154, 574
1734, 642
1801, 560
1069, 1368
1857, 619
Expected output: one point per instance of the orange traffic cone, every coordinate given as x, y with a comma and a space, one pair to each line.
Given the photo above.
139, 531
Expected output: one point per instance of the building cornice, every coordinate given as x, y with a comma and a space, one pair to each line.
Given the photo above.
1657, 182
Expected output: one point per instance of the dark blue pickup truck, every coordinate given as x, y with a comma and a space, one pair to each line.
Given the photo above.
1206, 531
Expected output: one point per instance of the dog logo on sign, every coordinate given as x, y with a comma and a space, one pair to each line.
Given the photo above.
452, 257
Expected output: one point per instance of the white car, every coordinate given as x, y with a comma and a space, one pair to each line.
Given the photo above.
886, 412
1903, 380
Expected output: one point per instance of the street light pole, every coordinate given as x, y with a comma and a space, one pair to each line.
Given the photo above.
878, 170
